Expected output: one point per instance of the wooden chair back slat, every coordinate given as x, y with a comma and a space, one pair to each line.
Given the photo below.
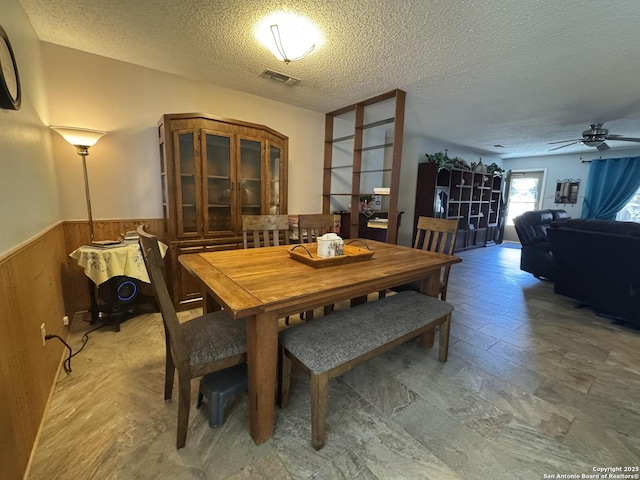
437, 235
265, 230
314, 225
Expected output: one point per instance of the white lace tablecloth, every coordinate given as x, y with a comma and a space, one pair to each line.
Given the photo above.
102, 263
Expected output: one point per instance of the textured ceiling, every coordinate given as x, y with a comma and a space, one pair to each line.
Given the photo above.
478, 72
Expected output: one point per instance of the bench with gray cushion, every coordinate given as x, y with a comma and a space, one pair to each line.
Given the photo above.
329, 346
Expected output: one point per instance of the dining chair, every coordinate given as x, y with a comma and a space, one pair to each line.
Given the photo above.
310, 227
202, 345
435, 235
265, 230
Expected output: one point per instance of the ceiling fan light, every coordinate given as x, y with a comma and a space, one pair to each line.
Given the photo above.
597, 137
595, 130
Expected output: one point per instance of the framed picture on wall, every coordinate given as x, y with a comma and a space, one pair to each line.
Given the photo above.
567, 191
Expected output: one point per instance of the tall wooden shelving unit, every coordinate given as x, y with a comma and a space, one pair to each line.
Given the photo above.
472, 198
363, 150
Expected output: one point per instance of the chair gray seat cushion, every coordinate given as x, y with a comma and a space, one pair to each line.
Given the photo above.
334, 340
214, 336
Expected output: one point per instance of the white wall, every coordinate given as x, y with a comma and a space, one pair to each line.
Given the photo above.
28, 191
127, 101
560, 167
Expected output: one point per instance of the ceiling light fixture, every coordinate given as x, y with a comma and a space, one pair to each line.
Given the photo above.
289, 37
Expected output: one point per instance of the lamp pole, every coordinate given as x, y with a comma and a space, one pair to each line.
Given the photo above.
83, 152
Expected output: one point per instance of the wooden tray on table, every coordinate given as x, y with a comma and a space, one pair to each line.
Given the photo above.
308, 254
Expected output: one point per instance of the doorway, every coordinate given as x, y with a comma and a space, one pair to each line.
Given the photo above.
524, 193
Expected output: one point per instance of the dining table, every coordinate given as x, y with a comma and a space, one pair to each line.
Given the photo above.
262, 285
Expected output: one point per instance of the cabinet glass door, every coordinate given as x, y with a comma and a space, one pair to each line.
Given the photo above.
250, 183
188, 184
218, 188
275, 154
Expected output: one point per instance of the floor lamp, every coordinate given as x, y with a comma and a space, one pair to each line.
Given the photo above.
82, 139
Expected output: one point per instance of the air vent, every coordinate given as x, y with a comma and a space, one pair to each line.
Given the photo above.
279, 77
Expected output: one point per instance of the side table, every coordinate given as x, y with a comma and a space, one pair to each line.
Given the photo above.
103, 263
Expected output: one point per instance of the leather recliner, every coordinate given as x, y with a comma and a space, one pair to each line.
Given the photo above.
531, 227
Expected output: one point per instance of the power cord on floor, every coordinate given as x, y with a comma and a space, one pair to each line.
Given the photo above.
85, 339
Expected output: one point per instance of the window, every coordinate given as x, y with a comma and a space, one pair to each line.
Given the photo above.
631, 211
524, 194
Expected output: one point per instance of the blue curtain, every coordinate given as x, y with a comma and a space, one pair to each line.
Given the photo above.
612, 184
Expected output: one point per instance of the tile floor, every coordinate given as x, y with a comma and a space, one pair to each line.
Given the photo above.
533, 387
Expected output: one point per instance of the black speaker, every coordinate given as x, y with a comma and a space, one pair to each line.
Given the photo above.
120, 291
119, 299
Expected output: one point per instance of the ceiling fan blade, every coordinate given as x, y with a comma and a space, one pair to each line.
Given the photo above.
603, 146
558, 148
565, 141
622, 139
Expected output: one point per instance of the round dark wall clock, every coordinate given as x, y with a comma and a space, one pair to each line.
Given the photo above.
10, 93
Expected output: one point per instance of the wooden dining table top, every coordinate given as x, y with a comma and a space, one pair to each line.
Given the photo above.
249, 281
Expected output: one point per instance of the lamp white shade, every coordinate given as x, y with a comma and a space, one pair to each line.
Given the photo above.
79, 136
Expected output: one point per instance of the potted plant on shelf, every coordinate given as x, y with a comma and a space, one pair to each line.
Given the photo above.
441, 159
494, 169
367, 204
444, 161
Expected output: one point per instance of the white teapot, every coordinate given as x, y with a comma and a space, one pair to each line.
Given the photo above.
330, 245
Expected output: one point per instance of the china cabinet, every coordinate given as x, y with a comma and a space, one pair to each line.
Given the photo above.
214, 171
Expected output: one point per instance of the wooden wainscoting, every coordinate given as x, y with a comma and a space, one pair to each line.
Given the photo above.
76, 233
30, 295
40, 283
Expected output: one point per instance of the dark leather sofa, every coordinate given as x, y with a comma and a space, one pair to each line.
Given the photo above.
531, 228
598, 264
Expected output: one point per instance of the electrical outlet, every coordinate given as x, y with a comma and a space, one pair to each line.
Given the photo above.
43, 331
65, 320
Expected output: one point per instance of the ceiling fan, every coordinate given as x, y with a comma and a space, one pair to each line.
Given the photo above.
595, 137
